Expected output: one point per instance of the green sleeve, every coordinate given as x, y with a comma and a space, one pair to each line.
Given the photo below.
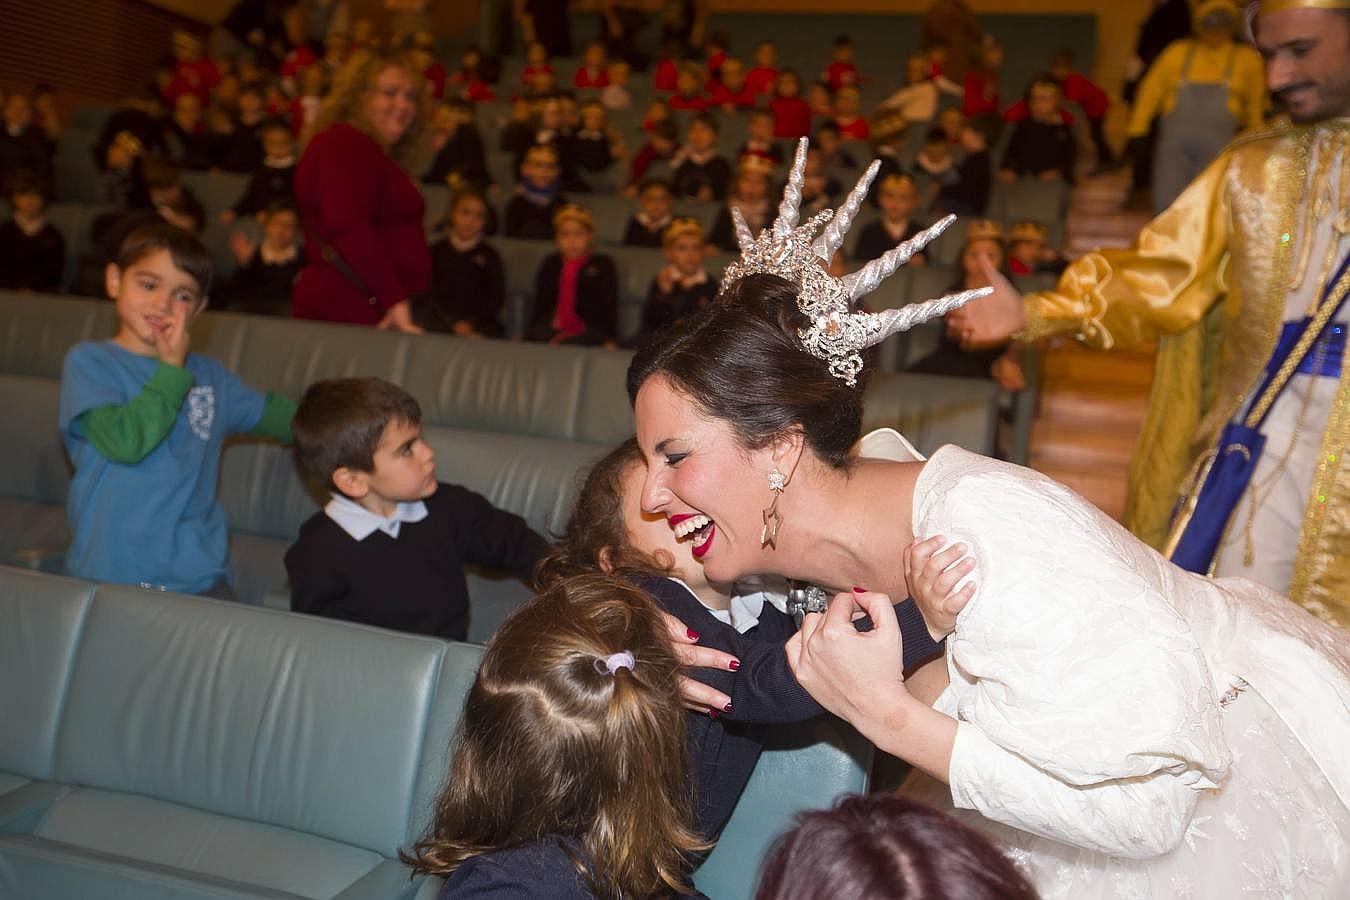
128, 432
275, 421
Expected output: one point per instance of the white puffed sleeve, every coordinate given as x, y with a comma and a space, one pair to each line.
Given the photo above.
1086, 709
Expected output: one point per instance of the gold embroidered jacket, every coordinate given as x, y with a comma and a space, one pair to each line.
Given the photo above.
1209, 279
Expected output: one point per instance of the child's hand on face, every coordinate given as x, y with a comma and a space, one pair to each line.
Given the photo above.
171, 334
665, 279
931, 577
242, 247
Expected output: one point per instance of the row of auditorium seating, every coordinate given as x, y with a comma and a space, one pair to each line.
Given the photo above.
515, 422
163, 747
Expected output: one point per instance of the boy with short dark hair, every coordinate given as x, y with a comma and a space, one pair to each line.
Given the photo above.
144, 420
267, 268
647, 227
32, 251
390, 547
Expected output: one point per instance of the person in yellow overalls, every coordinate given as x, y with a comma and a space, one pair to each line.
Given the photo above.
1246, 252
1206, 89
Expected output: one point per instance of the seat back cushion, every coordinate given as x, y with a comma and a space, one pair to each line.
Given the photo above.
42, 616
487, 385
289, 720
36, 330
33, 462
803, 767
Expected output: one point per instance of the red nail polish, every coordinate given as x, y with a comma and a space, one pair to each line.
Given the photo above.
734, 665
727, 708
858, 590
693, 635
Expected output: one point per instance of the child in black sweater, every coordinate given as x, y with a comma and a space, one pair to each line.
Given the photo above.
267, 269
390, 547
538, 197
273, 180
647, 227
679, 289
32, 251
467, 277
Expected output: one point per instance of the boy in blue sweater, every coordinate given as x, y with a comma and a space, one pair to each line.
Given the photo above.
144, 420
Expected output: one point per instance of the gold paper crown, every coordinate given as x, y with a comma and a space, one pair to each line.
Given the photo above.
753, 162
571, 212
684, 226
1027, 231
896, 179
984, 230
542, 150
1270, 6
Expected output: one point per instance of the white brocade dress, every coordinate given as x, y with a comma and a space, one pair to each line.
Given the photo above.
1128, 729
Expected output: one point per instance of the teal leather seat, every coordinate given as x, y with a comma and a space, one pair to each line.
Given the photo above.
172, 748
192, 748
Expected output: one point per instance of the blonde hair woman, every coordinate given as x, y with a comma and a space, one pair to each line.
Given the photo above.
366, 255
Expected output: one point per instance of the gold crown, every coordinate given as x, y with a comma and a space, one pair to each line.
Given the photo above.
984, 230
1270, 6
753, 162
1027, 231
684, 226
895, 179
571, 212
542, 150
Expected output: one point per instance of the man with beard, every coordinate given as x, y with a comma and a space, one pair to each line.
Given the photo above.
1224, 279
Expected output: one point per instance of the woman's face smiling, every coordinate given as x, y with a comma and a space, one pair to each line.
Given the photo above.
710, 489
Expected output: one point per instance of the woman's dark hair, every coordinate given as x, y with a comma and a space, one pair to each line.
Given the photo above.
740, 360
552, 745
886, 847
596, 537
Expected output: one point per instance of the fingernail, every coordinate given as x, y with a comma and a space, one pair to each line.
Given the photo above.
693, 635
727, 709
734, 665
858, 590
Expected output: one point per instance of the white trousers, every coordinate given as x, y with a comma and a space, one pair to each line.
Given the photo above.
1269, 516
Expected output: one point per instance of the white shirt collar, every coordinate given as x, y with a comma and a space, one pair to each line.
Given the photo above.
746, 605
361, 523
275, 258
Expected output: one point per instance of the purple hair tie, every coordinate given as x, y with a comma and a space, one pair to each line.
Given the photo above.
608, 665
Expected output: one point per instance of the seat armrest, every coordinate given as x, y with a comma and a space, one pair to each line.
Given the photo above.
23, 808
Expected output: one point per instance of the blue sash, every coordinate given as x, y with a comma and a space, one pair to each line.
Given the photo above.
1203, 516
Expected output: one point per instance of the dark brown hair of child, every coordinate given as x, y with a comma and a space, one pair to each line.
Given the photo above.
552, 744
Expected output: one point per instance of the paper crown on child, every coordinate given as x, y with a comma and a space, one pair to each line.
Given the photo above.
684, 226
571, 212
984, 230
896, 179
1270, 6
757, 164
837, 334
542, 153
1028, 231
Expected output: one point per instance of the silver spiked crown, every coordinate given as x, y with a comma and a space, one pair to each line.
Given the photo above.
838, 333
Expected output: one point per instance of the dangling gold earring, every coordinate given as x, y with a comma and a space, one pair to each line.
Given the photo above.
768, 535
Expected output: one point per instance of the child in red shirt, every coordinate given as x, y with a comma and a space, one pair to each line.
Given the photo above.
192, 73
592, 72
1077, 88
536, 63
842, 70
687, 93
761, 79
730, 91
791, 114
667, 70
848, 114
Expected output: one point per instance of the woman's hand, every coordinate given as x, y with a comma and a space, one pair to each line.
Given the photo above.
844, 669
931, 574
697, 695
399, 318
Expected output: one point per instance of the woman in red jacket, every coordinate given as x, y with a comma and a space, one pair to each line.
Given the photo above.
366, 253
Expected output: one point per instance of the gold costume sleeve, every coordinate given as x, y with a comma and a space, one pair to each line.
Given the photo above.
1172, 275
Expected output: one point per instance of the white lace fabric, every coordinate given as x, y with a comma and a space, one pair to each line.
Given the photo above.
1086, 677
